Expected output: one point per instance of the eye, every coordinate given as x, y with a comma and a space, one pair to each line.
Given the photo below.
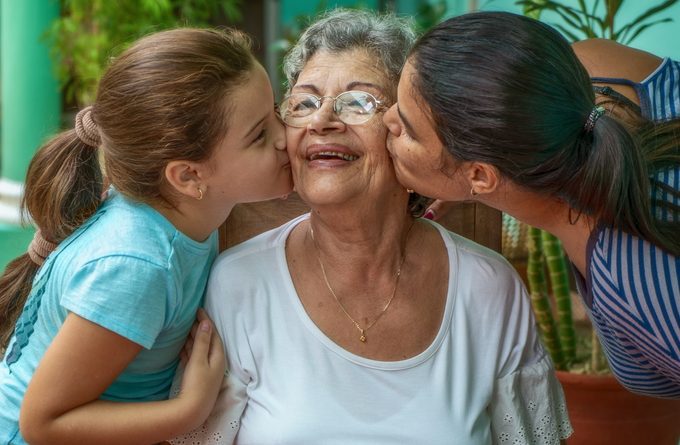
260, 136
303, 105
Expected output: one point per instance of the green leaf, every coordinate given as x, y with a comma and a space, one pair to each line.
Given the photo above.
644, 27
654, 10
569, 35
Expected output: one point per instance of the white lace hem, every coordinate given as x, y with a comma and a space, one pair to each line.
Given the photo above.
529, 407
222, 425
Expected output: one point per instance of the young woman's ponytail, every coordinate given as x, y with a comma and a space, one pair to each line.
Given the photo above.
63, 189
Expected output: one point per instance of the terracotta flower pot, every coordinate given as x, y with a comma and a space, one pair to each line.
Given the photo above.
603, 412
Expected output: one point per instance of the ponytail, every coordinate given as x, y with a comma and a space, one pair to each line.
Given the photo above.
63, 189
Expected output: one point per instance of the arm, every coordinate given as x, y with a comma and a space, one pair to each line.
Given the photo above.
607, 58
61, 403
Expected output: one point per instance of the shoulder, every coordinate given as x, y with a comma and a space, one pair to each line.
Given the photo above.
606, 58
252, 262
123, 228
483, 282
488, 266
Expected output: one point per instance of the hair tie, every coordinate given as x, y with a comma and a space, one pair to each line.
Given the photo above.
86, 128
594, 115
40, 248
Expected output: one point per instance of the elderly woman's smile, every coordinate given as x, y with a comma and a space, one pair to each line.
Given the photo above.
329, 155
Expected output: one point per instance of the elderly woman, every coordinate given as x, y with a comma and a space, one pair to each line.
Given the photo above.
358, 323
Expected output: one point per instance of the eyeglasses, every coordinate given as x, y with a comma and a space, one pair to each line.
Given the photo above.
351, 107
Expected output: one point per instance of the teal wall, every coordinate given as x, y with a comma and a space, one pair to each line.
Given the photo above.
661, 39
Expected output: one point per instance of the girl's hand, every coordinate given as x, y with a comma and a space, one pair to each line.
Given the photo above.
205, 366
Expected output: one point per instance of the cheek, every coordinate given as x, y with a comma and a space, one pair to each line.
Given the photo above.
293, 140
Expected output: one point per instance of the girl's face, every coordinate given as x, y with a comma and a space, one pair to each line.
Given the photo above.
420, 160
250, 163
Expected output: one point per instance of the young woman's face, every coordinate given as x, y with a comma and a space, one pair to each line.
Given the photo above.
420, 160
250, 163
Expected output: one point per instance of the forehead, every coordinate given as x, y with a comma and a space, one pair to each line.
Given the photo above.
334, 71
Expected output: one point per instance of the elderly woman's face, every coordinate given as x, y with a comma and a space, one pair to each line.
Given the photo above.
332, 161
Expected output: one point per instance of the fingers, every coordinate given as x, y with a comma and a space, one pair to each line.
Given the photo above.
216, 355
201, 341
201, 315
438, 209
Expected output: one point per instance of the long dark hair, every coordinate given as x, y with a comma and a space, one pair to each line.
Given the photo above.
509, 91
163, 99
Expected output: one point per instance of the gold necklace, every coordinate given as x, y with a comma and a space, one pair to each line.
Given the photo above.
362, 331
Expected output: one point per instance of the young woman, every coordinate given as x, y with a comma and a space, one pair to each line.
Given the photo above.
496, 108
101, 304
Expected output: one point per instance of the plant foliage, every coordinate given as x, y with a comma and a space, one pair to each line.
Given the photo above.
587, 21
90, 32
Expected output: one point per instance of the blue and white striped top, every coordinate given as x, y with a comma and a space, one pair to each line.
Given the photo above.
658, 93
632, 294
632, 287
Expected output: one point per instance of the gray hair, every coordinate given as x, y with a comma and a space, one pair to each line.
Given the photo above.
385, 36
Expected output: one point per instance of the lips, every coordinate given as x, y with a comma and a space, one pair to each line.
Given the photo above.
330, 153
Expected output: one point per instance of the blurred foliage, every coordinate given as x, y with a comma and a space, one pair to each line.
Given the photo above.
90, 32
428, 15
587, 21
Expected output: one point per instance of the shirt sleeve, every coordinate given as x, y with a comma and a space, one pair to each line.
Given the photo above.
123, 294
528, 406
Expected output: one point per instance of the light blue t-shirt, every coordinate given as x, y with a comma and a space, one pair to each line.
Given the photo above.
127, 269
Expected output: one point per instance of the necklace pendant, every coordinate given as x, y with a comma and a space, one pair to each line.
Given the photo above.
363, 337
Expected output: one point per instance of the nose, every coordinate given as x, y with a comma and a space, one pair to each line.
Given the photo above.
391, 122
324, 119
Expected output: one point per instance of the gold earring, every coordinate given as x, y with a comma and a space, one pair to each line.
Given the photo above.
200, 194
473, 192
409, 191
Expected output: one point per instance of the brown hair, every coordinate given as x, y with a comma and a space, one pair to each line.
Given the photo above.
163, 99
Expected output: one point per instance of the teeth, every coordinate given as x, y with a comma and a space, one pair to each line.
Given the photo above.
334, 154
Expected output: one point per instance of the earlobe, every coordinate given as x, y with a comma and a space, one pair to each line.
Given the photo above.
185, 178
483, 178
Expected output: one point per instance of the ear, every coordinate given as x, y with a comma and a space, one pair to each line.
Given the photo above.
483, 178
186, 178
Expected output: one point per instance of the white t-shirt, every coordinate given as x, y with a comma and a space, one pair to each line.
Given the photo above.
484, 379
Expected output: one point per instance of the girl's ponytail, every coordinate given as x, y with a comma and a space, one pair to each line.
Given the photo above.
63, 189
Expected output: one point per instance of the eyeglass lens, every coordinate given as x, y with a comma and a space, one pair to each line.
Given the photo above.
351, 107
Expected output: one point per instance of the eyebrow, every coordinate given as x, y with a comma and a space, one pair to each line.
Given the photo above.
350, 86
407, 124
353, 85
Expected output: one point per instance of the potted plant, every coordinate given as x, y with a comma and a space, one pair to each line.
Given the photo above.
601, 410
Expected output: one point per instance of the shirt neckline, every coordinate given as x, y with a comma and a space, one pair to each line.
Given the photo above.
310, 326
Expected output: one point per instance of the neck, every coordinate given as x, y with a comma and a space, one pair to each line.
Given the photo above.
183, 217
362, 242
546, 213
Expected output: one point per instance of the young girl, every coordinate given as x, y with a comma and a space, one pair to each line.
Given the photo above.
184, 124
